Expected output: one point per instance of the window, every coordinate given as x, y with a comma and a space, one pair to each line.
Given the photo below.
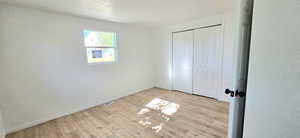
101, 47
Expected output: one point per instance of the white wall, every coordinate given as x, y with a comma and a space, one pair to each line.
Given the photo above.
163, 58
272, 103
44, 72
2, 129
163, 50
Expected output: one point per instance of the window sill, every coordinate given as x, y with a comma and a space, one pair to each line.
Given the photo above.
99, 63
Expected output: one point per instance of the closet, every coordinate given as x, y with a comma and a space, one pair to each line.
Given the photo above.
197, 61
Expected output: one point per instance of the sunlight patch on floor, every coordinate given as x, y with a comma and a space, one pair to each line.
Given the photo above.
165, 110
163, 106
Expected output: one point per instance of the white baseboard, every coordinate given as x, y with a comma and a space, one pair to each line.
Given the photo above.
48, 118
166, 88
58, 115
3, 134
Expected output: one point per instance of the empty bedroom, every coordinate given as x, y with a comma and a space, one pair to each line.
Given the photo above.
142, 69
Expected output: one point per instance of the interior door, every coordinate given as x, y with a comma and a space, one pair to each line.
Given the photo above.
273, 91
183, 61
207, 61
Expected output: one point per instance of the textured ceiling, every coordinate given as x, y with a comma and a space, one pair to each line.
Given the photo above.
148, 12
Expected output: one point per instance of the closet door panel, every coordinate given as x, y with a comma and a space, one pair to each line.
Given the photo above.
207, 61
183, 61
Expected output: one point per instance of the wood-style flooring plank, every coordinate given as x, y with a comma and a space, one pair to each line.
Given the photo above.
129, 117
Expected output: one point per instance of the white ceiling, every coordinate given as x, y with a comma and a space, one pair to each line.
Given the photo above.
148, 12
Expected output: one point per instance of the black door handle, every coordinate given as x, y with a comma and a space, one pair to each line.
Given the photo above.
241, 94
235, 93
227, 91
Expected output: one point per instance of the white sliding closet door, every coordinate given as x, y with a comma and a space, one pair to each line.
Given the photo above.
183, 61
208, 51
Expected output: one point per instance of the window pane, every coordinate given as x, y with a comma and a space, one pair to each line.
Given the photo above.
101, 55
99, 39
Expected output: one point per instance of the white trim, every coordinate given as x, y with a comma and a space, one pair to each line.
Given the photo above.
213, 20
97, 63
221, 85
3, 134
116, 48
221, 19
48, 118
3, 131
172, 61
210, 21
58, 115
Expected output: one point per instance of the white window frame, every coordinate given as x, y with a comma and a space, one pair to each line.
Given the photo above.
115, 48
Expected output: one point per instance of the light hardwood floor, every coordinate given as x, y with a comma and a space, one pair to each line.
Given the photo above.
150, 113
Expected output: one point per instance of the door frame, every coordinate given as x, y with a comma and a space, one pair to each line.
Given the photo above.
215, 21
244, 29
221, 42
